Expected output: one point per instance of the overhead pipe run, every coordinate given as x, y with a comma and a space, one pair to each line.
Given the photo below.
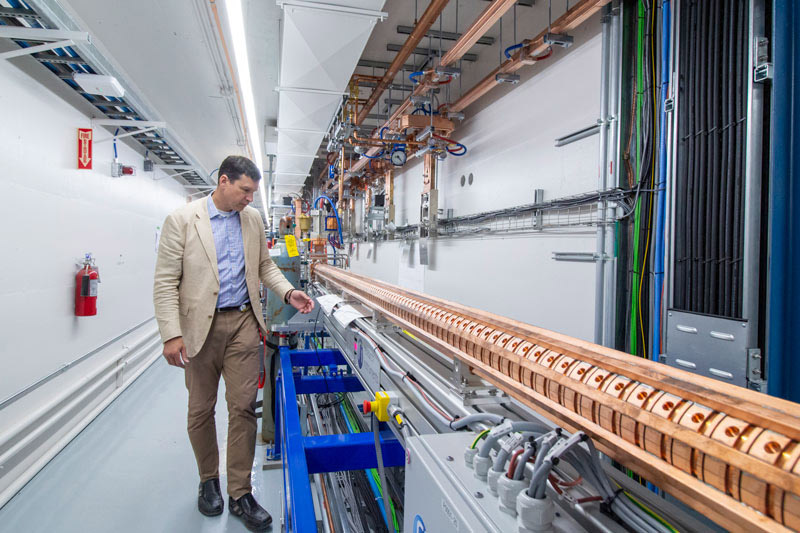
534, 50
424, 24
570, 20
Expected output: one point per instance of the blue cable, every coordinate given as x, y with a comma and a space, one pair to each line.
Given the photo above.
511, 48
425, 111
335, 212
658, 268
378, 497
414, 75
378, 156
461, 153
115, 143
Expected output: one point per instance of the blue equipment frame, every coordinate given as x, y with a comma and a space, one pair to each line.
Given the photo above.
302, 455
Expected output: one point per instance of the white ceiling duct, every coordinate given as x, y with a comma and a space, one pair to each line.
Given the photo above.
322, 42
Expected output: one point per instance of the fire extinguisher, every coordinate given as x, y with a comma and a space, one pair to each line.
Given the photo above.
86, 281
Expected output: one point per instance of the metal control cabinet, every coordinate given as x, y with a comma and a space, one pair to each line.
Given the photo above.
277, 312
443, 495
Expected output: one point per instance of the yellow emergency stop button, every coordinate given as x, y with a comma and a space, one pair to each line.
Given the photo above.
379, 407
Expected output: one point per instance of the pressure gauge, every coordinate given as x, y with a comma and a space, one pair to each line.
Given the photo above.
399, 158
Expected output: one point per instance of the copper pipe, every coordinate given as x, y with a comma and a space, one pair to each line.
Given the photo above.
421, 28
476, 30
573, 18
731, 453
365, 77
298, 210
233, 76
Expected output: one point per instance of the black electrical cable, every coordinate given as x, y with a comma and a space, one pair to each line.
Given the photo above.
316, 353
694, 231
683, 185
691, 119
741, 106
727, 160
708, 96
713, 140
680, 162
702, 163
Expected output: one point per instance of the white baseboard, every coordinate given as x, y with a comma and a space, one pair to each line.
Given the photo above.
28, 446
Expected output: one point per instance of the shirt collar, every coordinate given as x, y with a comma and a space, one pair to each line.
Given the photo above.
214, 212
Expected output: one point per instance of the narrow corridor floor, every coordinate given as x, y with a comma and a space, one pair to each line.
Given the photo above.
132, 470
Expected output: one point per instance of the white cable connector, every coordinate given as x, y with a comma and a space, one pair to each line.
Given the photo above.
507, 490
534, 516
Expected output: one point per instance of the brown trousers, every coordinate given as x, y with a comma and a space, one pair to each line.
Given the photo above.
231, 350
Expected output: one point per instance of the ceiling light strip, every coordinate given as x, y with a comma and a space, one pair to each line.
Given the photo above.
239, 36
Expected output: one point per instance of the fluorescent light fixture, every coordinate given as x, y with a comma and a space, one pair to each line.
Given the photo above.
237, 30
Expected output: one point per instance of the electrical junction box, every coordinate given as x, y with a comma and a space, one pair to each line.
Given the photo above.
99, 84
443, 494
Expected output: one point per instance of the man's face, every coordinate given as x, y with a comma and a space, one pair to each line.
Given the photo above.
238, 194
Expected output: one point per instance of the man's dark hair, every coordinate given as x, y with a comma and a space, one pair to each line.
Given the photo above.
236, 165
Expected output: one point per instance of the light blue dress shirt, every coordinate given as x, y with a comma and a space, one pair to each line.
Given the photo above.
227, 229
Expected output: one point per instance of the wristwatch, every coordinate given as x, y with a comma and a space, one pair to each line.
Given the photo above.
287, 295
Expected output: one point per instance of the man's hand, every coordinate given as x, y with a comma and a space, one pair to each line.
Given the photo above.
300, 301
175, 352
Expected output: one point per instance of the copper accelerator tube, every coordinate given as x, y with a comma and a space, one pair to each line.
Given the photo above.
731, 453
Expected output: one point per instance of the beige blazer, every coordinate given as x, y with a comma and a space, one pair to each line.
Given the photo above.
186, 282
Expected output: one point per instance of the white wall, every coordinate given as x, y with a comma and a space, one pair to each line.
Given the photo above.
51, 215
510, 136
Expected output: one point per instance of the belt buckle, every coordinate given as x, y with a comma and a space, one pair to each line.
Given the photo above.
243, 308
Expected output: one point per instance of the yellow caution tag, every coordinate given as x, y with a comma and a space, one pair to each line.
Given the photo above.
291, 246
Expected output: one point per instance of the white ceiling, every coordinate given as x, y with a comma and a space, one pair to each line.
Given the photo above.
163, 50
170, 51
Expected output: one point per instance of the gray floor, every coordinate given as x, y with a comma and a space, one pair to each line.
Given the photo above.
132, 469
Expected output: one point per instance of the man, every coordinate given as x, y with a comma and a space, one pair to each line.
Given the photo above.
211, 256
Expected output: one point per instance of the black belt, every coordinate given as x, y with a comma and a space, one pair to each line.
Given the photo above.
241, 308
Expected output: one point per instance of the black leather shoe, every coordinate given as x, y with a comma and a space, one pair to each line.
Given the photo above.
209, 498
255, 517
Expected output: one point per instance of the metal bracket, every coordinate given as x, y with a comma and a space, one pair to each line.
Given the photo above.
54, 38
381, 324
669, 105
755, 378
558, 39
507, 78
763, 71
579, 257
472, 389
